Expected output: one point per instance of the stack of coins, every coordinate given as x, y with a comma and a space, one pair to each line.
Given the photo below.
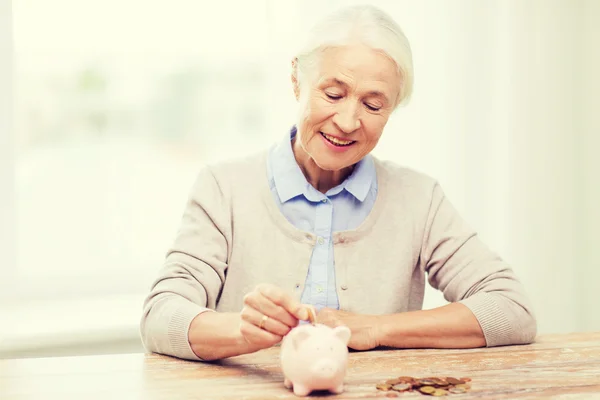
435, 386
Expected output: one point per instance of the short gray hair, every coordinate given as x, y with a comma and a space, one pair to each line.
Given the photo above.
365, 24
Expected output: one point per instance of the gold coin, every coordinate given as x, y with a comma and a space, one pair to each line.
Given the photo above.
312, 315
427, 389
434, 386
402, 387
383, 386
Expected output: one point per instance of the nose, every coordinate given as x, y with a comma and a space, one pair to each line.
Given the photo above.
325, 368
346, 118
327, 372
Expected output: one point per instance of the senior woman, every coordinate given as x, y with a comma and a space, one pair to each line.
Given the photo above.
317, 221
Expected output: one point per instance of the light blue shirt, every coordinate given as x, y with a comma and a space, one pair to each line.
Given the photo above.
343, 207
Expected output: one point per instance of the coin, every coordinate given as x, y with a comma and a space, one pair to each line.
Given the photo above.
427, 389
402, 387
454, 381
432, 386
312, 315
440, 382
383, 386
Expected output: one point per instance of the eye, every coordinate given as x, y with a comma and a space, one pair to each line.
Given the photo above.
372, 108
333, 96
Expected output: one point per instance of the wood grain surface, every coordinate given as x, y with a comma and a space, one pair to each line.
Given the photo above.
556, 366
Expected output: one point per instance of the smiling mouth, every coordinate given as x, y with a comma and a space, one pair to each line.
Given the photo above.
337, 142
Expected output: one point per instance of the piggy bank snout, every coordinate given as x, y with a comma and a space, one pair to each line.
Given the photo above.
326, 368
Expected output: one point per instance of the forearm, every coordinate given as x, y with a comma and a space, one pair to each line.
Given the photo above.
449, 326
215, 335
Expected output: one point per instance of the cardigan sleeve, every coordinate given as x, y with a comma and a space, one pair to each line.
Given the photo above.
193, 272
459, 264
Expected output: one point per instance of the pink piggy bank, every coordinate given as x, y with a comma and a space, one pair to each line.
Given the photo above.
315, 357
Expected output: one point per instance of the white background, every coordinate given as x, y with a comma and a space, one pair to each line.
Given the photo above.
118, 103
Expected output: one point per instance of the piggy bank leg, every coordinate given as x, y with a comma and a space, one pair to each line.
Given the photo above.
301, 390
338, 389
287, 383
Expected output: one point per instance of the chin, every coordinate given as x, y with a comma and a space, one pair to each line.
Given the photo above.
330, 164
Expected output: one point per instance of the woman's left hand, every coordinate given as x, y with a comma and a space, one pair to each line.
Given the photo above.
365, 328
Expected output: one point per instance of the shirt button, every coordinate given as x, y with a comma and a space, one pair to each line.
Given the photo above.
344, 287
324, 200
319, 289
320, 240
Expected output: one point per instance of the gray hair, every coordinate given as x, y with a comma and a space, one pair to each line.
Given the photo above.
363, 24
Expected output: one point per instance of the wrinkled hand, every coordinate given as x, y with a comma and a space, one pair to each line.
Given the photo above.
269, 313
365, 328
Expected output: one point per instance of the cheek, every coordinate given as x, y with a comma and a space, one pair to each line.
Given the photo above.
374, 130
319, 110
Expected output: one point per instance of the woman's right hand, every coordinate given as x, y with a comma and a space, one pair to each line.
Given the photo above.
269, 313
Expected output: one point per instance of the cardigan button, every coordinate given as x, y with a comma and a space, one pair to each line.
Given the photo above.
344, 287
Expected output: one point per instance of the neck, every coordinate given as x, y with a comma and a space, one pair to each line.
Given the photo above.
320, 179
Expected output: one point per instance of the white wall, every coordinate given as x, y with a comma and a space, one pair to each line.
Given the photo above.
542, 165
588, 260
7, 236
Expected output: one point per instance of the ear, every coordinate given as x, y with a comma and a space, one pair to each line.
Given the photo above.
295, 84
298, 338
343, 333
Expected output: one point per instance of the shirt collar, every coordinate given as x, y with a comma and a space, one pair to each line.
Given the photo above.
360, 181
291, 182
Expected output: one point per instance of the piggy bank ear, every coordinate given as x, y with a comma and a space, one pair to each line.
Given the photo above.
298, 338
343, 333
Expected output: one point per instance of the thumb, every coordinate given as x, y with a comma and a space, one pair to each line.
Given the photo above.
302, 312
309, 313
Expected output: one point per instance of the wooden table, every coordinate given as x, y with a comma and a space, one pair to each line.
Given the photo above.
556, 366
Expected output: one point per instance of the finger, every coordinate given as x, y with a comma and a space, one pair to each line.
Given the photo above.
258, 337
272, 325
282, 299
264, 305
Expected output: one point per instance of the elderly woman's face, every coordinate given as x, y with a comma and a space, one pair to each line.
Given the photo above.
348, 102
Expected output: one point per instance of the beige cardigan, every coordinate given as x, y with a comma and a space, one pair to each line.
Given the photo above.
233, 237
